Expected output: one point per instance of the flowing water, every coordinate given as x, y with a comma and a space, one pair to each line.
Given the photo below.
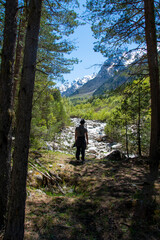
98, 146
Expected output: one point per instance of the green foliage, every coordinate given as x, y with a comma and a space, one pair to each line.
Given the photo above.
130, 121
77, 99
95, 108
126, 112
50, 112
116, 24
57, 23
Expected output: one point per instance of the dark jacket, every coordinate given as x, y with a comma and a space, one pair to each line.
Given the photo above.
80, 131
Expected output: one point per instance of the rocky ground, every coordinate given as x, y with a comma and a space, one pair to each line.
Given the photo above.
98, 147
99, 200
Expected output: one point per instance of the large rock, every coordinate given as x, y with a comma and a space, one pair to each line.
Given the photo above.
115, 155
92, 150
49, 147
35, 179
39, 179
101, 138
117, 146
55, 146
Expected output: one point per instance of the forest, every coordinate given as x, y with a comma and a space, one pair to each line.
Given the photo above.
45, 194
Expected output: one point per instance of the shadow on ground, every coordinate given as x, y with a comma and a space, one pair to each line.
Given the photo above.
145, 221
104, 200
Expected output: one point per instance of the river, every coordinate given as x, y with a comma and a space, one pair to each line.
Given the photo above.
98, 146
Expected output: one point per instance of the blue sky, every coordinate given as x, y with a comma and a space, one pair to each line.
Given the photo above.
83, 37
85, 53
90, 61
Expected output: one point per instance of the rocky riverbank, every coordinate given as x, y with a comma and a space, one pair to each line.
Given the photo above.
98, 147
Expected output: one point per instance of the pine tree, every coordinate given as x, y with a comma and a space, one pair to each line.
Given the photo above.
151, 40
16, 212
119, 23
19, 51
6, 101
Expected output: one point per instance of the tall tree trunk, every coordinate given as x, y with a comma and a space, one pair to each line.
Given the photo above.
6, 100
19, 51
151, 40
127, 151
139, 121
16, 214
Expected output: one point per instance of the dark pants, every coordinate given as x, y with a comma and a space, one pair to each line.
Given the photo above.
81, 146
80, 150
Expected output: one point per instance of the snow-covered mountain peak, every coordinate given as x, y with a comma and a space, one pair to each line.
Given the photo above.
68, 88
109, 69
132, 56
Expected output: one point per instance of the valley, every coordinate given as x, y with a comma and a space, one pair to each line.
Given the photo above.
62, 61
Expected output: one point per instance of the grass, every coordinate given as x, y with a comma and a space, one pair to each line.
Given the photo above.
102, 200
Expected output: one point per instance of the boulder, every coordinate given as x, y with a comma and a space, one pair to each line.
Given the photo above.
55, 146
34, 179
39, 179
92, 150
101, 138
47, 146
115, 155
117, 146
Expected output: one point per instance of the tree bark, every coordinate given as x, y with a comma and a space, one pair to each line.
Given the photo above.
19, 52
6, 100
139, 122
16, 213
127, 151
151, 40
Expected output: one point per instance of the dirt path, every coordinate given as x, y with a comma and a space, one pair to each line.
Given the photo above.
103, 200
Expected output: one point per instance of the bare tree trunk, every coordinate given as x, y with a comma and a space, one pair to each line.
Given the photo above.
150, 33
19, 52
127, 139
16, 214
139, 122
6, 100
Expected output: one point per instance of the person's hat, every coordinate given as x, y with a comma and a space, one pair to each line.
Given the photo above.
82, 121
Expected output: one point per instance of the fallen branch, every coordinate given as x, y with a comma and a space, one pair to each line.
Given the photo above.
38, 170
50, 172
46, 175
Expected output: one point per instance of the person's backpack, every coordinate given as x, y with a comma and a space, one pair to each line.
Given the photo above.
81, 131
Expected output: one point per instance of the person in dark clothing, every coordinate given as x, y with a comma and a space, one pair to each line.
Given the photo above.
81, 139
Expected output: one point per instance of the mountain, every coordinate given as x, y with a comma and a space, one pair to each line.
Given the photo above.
108, 69
120, 77
67, 89
113, 73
